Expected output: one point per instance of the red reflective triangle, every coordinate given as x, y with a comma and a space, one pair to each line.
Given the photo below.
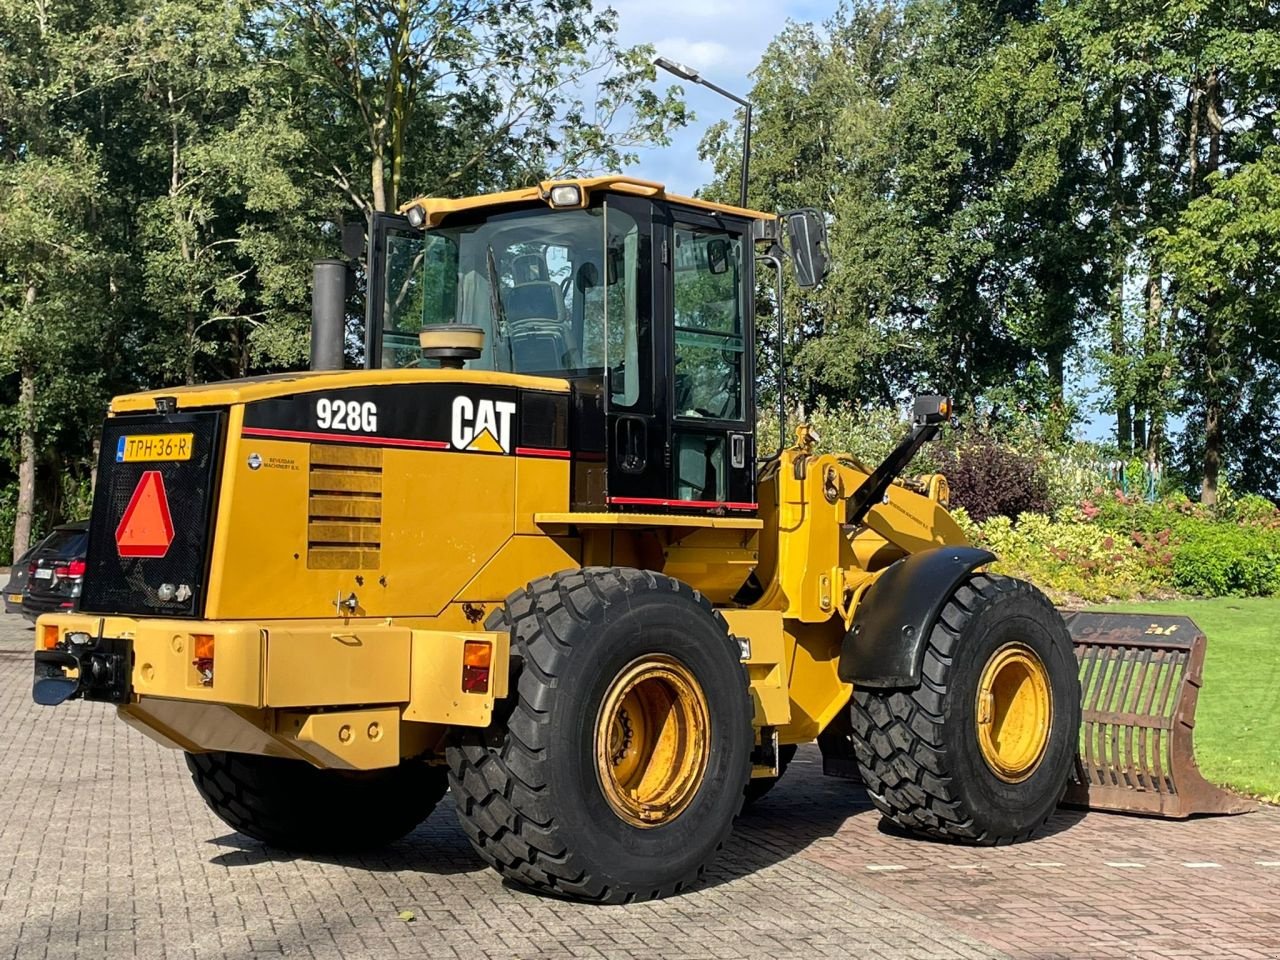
146, 529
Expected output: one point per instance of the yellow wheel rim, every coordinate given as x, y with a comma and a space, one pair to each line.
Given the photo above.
653, 735
1014, 712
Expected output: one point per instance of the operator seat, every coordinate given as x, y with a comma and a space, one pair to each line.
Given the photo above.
536, 318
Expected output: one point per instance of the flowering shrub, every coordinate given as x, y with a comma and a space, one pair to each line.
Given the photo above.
1119, 549
1071, 558
989, 479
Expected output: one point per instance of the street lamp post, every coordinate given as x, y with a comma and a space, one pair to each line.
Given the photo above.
688, 73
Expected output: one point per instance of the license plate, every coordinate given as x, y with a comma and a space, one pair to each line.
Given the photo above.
15, 598
44, 573
154, 447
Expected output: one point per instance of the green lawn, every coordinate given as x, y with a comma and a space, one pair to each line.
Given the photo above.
1237, 734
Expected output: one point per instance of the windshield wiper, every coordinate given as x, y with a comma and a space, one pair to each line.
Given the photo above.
496, 307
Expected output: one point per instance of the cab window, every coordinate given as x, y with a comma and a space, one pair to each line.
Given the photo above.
557, 293
708, 323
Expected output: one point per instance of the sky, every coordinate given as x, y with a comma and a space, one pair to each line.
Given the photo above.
721, 39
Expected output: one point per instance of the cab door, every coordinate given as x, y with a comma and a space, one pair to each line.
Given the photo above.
710, 403
636, 438
393, 276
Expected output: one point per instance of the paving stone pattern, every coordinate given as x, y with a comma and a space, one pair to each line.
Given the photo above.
106, 851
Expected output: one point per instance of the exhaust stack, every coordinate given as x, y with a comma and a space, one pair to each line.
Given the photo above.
328, 314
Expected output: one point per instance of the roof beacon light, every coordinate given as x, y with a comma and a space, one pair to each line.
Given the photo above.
566, 195
417, 216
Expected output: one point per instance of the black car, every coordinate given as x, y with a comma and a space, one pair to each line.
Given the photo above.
55, 572
17, 584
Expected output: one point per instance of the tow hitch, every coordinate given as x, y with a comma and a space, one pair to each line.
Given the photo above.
96, 668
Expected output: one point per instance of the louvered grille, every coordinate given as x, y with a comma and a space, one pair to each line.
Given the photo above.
344, 508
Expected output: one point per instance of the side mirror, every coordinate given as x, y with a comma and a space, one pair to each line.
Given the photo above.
717, 254
930, 409
807, 236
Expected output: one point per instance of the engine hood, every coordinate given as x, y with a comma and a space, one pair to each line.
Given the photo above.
229, 392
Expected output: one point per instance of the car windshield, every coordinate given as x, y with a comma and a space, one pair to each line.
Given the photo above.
555, 291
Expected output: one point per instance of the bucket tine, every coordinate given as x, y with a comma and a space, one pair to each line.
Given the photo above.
1140, 678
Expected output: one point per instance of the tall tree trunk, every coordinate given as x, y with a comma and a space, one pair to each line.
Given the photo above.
1155, 384
1212, 451
1056, 362
1120, 351
26, 446
180, 229
26, 461
1215, 377
93, 464
377, 175
1119, 256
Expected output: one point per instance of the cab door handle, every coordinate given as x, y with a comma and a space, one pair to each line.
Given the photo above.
631, 437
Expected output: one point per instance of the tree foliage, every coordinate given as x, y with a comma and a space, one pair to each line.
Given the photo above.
169, 169
1023, 189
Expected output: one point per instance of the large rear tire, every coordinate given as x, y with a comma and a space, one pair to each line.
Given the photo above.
981, 751
620, 764
295, 806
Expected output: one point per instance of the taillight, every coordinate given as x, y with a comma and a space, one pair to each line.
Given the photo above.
76, 568
31, 569
204, 658
476, 657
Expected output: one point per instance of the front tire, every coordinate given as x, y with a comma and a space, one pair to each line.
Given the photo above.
981, 751
625, 750
295, 806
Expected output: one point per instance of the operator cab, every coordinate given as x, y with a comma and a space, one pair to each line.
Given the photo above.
643, 302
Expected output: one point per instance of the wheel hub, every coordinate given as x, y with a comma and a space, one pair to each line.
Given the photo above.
1014, 712
652, 739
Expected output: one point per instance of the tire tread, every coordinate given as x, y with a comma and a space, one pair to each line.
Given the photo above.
484, 765
898, 736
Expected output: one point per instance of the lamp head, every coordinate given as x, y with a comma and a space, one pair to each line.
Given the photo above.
679, 69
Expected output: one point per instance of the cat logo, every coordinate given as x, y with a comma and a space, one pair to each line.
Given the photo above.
482, 426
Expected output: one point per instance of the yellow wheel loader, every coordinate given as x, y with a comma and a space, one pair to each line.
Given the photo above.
532, 554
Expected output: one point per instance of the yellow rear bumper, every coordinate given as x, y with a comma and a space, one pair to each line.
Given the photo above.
355, 694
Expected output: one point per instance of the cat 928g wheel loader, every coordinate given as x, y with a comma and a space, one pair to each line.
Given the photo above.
529, 553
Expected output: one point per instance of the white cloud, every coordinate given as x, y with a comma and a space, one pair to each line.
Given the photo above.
703, 55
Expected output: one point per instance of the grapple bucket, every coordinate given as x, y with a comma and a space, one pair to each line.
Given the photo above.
1140, 676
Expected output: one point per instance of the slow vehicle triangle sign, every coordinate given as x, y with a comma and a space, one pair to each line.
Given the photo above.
146, 529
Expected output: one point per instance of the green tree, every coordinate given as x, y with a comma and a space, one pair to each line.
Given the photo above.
58, 302
1224, 257
401, 97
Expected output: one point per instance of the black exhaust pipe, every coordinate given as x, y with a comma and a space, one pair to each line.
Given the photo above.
328, 315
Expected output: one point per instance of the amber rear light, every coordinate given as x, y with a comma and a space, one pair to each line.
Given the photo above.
48, 636
477, 655
203, 662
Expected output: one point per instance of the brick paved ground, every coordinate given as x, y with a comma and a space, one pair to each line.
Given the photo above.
106, 851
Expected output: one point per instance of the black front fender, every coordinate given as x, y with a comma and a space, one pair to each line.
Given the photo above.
885, 645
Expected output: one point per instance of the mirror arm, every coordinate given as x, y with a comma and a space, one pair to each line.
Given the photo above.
872, 490
773, 256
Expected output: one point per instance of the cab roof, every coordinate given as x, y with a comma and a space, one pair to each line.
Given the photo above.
437, 208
